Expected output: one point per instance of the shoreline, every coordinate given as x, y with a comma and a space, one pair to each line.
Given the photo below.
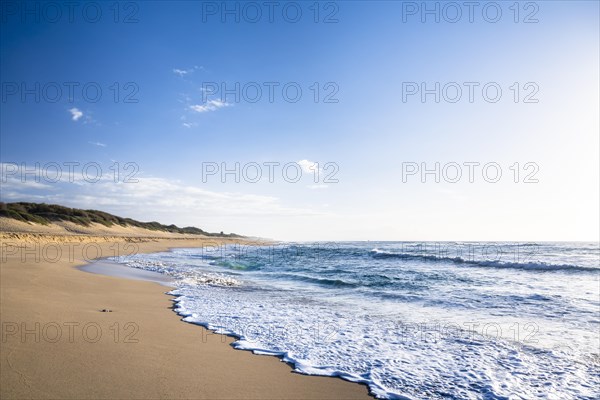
141, 351
107, 267
131, 273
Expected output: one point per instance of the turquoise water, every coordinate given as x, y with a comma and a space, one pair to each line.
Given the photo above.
461, 320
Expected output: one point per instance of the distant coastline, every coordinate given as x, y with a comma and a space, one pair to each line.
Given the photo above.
74, 220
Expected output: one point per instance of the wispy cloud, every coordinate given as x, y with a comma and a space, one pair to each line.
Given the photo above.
97, 144
48, 176
76, 113
184, 72
154, 196
180, 72
210, 105
319, 186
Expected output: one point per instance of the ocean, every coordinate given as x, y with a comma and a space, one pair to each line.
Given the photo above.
416, 320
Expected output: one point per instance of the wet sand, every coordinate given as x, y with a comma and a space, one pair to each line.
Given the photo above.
58, 343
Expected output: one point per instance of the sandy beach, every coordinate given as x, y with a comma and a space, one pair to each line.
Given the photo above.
300, 200
57, 342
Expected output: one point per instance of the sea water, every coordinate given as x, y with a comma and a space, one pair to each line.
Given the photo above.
419, 320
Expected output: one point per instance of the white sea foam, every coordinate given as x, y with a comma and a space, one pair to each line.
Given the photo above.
408, 327
183, 275
393, 359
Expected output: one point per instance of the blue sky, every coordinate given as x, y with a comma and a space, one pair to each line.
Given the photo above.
167, 53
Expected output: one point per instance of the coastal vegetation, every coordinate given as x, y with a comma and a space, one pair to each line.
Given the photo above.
45, 214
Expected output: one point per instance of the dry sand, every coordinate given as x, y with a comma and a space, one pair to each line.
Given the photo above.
57, 343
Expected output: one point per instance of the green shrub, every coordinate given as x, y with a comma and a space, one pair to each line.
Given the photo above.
41, 213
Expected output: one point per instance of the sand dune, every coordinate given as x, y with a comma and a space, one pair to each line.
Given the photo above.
70, 228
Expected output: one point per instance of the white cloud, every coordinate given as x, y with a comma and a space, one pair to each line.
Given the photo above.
76, 113
53, 174
313, 169
10, 183
153, 195
169, 201
180, 72
308, 166
14, 176
97, 144
183, 72
210, 105
319, 186
189, 124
